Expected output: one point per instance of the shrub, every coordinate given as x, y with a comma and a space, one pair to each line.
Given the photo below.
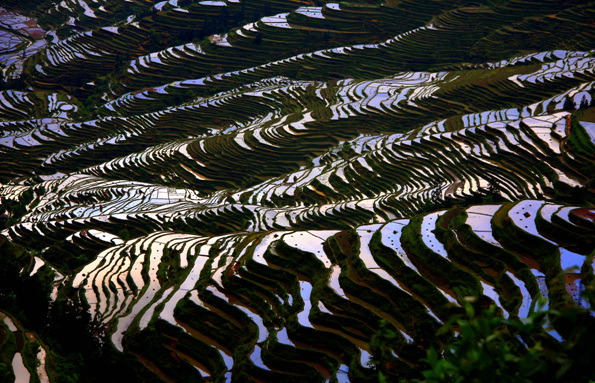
490, 348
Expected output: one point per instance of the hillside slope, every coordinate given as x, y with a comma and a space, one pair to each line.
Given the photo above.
250, 190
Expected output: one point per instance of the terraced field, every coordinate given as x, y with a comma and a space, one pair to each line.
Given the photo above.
250, 190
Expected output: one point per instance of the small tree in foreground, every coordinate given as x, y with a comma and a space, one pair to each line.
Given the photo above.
490, 348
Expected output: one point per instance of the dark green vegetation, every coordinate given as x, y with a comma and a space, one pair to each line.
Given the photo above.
488, 351
73, 339
299, 191
492, 349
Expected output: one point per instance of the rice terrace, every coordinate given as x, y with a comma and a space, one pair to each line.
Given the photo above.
297, 191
